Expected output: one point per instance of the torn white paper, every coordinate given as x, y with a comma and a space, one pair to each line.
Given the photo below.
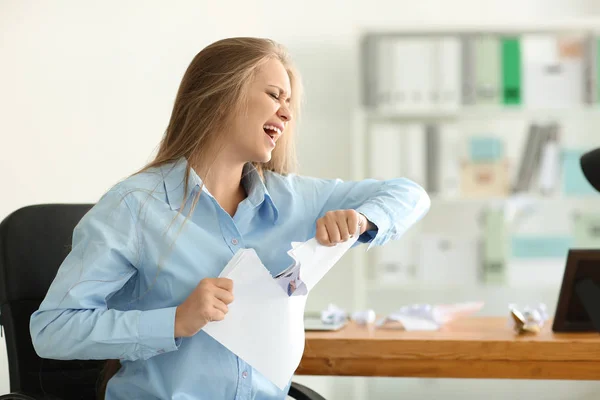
265, 323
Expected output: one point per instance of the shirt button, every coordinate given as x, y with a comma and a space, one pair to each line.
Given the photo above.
234, 241
245, 374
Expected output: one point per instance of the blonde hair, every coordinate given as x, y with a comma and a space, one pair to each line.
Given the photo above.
212, 90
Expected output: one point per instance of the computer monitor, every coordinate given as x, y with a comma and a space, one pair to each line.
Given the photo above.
578, 307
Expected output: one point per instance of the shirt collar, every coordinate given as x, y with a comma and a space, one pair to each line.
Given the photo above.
256, 189
173, 176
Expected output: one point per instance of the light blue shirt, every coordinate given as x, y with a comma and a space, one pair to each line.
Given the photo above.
134, 260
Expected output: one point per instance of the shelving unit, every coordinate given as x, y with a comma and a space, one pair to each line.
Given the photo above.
453, 212
456, 215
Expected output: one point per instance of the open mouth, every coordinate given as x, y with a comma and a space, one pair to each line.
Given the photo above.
272, 131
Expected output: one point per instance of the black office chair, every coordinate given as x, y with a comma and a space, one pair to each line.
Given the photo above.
34, 241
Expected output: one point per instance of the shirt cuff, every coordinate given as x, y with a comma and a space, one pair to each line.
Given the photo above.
156, 330
380, 219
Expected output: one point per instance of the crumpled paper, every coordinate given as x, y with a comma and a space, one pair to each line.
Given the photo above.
333, 315
529, 319
427, 317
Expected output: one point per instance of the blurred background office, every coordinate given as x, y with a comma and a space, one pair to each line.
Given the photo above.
486, 103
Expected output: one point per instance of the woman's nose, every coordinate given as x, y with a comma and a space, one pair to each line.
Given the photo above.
284, 113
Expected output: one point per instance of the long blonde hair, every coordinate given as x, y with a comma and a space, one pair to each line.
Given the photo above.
214, 88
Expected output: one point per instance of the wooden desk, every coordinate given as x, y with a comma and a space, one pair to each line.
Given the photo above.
468, 348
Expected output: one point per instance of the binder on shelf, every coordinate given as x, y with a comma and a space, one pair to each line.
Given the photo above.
450, 154
433, 150
442, 155
511, 71
448, 69
487, 70
369, 71
401, 69
553, 70
413, 69
468, 70
425, 62
414, 153
398, 150
385, 151
385, 73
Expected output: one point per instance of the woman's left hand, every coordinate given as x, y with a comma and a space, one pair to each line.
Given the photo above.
339, 225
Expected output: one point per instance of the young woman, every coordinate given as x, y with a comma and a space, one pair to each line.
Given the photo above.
139, 283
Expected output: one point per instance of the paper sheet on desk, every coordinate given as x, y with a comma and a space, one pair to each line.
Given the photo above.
264, 326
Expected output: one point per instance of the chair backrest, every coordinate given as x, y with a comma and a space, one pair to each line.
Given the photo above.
34, 241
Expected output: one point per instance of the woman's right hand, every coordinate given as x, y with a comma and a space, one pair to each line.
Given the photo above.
208, 302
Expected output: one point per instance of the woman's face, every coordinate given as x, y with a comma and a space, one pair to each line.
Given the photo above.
255, 134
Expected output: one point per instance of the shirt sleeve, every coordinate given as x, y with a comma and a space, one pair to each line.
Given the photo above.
73, 321
393, 206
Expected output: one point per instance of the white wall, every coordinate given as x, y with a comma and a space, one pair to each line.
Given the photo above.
86, 87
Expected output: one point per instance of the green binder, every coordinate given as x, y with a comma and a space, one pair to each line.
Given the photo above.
511, 71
